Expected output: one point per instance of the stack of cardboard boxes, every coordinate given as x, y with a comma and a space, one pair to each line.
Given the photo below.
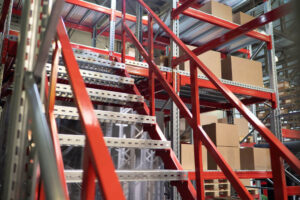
231, 68
226, 137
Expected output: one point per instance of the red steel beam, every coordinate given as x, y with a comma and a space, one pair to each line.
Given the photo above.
237, 184
240, 30
293, 190
208, 175
151, 73
4, 13
182, 8
293, 134
103, 165
197, 141
102, 9
283, 151
280, 191
197, 14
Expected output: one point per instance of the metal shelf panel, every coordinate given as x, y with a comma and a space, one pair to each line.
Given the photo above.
79, 140
93, 77
75, 176
67, 112
65, 90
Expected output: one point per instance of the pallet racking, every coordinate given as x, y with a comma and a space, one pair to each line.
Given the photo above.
172, 80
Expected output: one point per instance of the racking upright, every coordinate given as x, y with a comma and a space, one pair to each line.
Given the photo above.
174, 74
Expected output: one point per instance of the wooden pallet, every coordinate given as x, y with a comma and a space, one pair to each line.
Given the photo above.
217, 188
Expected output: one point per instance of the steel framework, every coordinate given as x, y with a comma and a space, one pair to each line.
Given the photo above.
102, 167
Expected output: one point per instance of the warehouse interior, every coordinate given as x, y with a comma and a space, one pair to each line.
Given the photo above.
149, 99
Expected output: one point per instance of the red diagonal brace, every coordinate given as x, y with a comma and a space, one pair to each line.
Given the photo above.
182, 7
98, 152
283, 151
237, 184
241, 30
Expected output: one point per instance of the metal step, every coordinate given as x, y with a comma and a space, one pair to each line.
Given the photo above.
67, 112
94, 77
93, 61
65, 90
79, 140
75, 176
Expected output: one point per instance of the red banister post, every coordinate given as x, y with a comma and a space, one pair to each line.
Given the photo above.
51, 117
280, 191
197, 141
98, 152
237, 184
123, 55
151, 74
88, 190
254, 121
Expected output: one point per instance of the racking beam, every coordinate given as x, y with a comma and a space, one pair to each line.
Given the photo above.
293, 134
102, 9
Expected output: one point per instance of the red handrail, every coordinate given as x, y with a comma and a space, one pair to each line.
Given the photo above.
97, 154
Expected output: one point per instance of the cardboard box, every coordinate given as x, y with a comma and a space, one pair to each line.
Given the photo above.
255, 159
212, 59
283, 85
230, 154
242, 18
131, 52
217, 9
162, 61
242, 70
242, 125
187, 157
223, 134
207, 119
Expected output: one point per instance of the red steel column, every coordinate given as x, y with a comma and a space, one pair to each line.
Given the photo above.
151, 74
280, 190
196, 133
88, 190
123, 31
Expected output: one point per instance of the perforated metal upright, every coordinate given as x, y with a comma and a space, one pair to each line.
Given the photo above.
175, 113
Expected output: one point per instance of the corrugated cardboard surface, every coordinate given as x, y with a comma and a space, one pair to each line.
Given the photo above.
242, 18
255, 159
223, 134
187, 157
283, 85
242, 70
212, 59
230, 154
130, 52
218, 9
242, 125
